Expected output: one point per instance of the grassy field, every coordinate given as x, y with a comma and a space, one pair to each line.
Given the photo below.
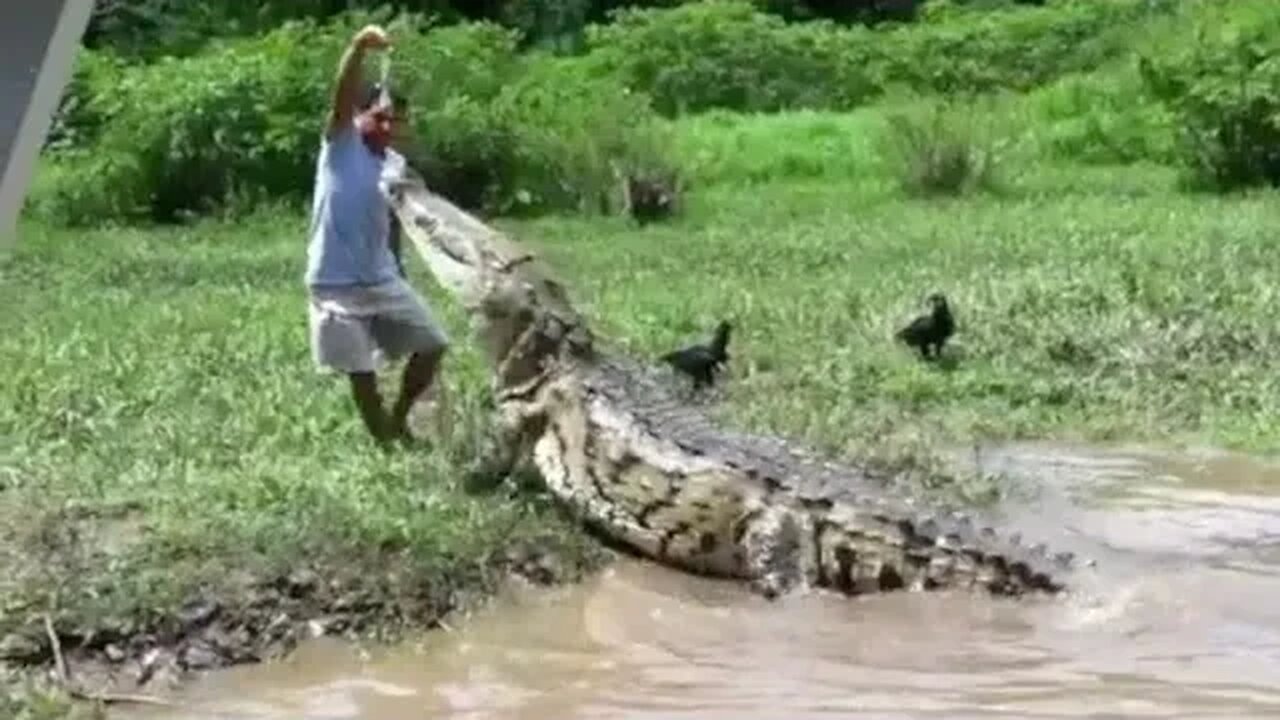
159, 394
1117, 312
167, 440
1095, 303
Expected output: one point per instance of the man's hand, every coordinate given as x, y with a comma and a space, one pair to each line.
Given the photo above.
371, 37
347, 87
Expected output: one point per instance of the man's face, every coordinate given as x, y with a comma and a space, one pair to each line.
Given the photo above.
382, 125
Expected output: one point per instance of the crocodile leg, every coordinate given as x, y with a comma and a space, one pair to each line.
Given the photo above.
503, 447
777, 545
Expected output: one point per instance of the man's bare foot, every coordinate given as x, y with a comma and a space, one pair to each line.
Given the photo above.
385, 442
401, 434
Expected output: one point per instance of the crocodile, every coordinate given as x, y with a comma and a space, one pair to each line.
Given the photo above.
616, 445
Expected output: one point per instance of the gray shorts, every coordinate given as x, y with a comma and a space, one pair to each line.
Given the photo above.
359, 329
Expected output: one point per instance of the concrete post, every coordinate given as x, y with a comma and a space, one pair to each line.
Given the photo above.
40, 39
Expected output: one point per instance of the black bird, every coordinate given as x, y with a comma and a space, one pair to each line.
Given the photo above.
930, 330
701, 362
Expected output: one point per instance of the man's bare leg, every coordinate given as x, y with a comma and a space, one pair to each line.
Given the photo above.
419, 374
364, 387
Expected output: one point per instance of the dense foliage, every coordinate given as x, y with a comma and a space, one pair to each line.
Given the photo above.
1223, 84
148, 28
234, 119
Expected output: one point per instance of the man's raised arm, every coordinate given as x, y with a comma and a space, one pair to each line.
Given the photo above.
346, 90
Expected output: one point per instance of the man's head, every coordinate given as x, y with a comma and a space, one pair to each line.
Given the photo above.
381, 121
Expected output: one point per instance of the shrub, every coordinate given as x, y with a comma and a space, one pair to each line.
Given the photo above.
940, 147
556, 24
729, 54
726, 54
575, 135
465, 153
1009, 48
146, 30
189, 134
452, 75
1223, 86
80, 116
869, 12
1102, 117
241, 121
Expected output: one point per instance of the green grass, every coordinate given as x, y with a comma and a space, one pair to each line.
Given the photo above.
1095, 304
1096, 301
722, 148
167, 370
166, 374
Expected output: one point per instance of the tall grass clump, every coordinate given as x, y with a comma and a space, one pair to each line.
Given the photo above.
943, 147
1222, 84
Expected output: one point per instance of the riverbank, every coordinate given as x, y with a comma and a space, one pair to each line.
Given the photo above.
177, 471
181, 491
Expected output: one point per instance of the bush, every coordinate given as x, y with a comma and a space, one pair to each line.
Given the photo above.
553, 138
939, 147
870, 12
187, 135
1223, 86
80, 117
241, 121
1009, 48
452, 76
1102, 117
575, 137
149, 29
726, 54
146, 30
466, 153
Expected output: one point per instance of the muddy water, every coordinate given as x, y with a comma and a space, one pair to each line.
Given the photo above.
1181, 619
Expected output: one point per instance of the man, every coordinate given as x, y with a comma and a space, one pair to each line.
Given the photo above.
362, 309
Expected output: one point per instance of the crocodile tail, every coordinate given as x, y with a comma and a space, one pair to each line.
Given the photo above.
856, 551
